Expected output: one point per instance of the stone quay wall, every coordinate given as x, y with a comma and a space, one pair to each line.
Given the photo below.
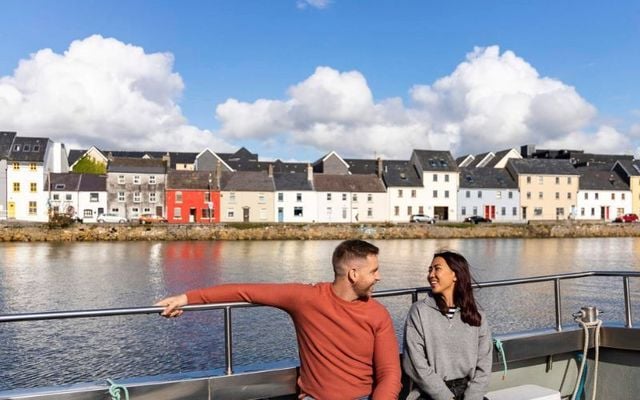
16, 232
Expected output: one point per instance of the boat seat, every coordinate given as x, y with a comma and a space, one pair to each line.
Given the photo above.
524, 392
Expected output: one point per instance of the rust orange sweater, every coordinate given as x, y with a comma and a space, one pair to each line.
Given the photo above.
347, 349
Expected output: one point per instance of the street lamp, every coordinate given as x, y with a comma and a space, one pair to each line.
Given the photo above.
210, 202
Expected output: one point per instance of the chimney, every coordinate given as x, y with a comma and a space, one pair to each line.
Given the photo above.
309, 172
379, 167
270, 170
167, 160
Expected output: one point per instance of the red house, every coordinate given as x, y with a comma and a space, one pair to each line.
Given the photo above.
193, 197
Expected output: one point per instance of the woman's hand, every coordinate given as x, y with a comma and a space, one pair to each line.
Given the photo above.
172, 305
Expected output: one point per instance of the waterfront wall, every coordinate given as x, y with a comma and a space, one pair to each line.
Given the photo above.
100, 232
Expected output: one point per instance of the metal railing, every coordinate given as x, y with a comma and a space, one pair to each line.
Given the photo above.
413, 292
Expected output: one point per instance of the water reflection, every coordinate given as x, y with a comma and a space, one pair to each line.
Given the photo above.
66, 276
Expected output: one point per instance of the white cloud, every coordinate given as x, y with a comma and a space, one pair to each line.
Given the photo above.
319, 4
491, 101
101, 92
606, 140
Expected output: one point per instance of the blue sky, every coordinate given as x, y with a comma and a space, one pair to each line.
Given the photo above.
293, 79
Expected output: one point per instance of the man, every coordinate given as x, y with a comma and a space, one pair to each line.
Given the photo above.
346, 341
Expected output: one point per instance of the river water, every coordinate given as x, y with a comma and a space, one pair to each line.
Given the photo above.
38, 277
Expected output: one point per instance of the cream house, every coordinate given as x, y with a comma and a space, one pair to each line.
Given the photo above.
248, 196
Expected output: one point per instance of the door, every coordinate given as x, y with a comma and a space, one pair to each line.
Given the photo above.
245, 214
159, 211
524, 212
192, 214
11, 211
280, 214
490, 212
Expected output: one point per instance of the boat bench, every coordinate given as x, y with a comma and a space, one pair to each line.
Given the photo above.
524, 392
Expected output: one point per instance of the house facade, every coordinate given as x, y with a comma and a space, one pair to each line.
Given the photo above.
193, 197
136, 186
350, 198
629, 170
6, 142
488, 192
248, 196
440, 177
602, 195
295, 198
405, 192
80, 196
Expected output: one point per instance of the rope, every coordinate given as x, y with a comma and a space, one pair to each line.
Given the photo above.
114, 390
579, 383
500, 349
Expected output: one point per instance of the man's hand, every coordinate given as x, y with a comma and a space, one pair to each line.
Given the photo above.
172, 305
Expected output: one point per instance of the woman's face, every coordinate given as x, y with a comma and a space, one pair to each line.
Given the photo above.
441, 278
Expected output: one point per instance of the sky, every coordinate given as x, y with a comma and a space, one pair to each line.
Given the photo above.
296, 79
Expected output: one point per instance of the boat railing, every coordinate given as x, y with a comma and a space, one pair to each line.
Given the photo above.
413, 292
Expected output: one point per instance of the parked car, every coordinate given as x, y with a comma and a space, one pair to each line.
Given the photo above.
111, 218
627, 218
151, 219
422, 218
476, 219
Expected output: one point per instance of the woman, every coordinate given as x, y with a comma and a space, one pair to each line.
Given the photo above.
447, 350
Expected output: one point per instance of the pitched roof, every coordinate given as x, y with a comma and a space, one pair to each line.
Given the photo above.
347, 183
436, 160
486, 178
93, 183
141, 165
6, 141
631, 168
249, 181
542, 166
400, 174
28, 149
196, 180
72, 182
74, 155
292, 181
598, 179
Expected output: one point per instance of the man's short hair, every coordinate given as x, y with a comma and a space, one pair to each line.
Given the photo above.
350, 250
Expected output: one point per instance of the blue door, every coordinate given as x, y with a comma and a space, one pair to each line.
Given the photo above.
280, 214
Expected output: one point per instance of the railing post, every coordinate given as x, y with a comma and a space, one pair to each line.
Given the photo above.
556, 284
414, 296
228, 350
628, 317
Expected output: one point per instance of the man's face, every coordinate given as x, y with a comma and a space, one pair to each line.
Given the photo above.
367, 275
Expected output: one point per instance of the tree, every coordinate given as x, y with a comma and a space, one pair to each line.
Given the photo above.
87, 165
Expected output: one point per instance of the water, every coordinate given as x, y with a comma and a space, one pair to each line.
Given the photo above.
36, 277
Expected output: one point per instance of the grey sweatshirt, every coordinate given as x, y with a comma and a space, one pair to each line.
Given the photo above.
437, 349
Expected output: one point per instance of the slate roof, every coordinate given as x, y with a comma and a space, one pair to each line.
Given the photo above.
72, 182
499, 155
541, 166
479, 158
436, 160
632, 168
74, 155
133, 165
6, 140
398, 173
461, 159
29, 149
347, 183
486, 178
292, 181
195, 180
597, 179
362, 166
249, 181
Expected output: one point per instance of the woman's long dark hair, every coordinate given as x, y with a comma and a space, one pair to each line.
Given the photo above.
462, 292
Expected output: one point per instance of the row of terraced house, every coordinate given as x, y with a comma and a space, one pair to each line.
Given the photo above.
37, 181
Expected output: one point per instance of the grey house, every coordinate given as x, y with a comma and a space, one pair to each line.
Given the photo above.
488, 192
136, 186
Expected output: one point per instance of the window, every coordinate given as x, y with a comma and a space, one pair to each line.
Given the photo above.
409, 210
152, 179
135, 211
446, 194
413, 193
33, 208
354, 197
299, 197
514, 211
177, 213
503, 211
498, 194
207, 197
146, 210
115, 210
344, 197
475, 210
582, 212
540, 180
262, 214
137, 197
622, 196
479, 194
16, 147
33, 167
87, 214
178, 197
569, 195
16, 187
463, 211
435, 194
297, 211
468, 194
94, 197
67, 197
613, 196
369, 212
435, 177
120, 179
529, 195
396, 211
557, 180
421, 210
121, 197
399, 193
261, 198
16, 166
593, 211
560, 212
528, 179
136, 179
446, 177
280, 197
344, 213
586, 196
205, 213
59, 186
510, 194
557, 195
540, 195
26, 147
329, 211
569, 180
537, 211
596, 195
231, 213
56, 196
328, 196
153, 197
33, 187
369, 198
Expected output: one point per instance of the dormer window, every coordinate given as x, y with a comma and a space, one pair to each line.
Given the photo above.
16, 147
59, 186
26, 147
36, 148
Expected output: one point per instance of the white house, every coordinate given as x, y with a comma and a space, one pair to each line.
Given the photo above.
350, 198
295, 200
439, 175
602, 195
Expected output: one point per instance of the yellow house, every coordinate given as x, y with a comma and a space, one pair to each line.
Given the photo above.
630, 171
548, 188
